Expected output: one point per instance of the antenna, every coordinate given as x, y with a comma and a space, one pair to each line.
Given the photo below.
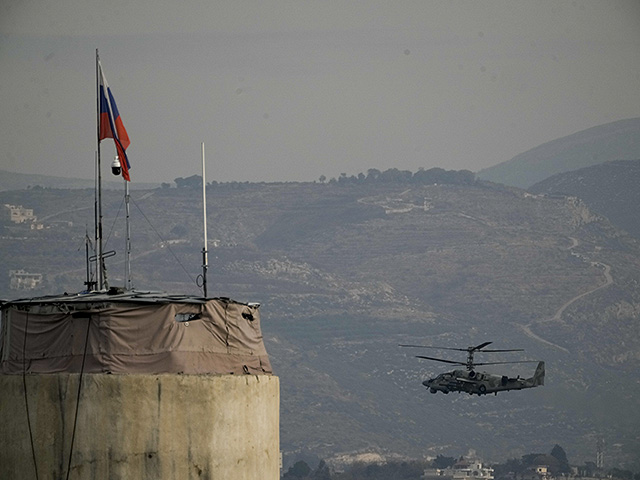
205, 259
127, 263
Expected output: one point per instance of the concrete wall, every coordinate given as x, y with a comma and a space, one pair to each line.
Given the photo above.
141, 427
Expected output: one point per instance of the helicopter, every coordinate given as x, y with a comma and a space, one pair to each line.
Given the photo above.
479, 383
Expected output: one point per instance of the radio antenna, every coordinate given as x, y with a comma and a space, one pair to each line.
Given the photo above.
205, 259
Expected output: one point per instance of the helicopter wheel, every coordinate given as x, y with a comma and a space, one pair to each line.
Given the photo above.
482, 390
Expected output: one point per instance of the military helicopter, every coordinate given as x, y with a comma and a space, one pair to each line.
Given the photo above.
480, 383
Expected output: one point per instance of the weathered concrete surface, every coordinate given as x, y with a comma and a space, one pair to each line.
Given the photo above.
140, 427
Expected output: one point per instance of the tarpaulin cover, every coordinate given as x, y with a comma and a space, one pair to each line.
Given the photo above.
129, 334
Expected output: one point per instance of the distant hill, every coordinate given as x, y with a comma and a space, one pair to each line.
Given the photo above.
613, 141
19, 181
611, 189
346, 272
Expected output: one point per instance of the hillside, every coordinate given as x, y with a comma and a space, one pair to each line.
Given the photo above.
610, 189
613, 141
20, 181
347, 272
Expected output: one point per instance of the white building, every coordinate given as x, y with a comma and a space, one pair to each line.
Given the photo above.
471, 470
19, 214
21, 280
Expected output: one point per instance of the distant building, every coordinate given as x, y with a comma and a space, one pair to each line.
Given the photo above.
18, 214
470, 470
435, 474
462, 470
538, 471
21, 280
543, 472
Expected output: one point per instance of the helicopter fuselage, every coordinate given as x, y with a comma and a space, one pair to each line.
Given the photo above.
482, 383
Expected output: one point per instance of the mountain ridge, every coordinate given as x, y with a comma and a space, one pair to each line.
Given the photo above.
619, 140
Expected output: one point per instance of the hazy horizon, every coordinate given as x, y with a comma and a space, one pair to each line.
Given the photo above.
290, 91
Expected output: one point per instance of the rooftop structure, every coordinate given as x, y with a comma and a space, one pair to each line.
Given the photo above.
131, 332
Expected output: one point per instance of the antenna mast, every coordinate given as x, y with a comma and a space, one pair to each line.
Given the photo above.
127, 263
205, 259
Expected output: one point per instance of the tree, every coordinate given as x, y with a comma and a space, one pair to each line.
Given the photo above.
559, 454
443, 462
529, 460
300, 469
619, 473
393, 175
466, 177
511, 466
322, 472
428, 177
411, 470
194, 181
373, 174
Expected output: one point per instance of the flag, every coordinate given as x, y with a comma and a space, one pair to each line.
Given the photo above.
110, 123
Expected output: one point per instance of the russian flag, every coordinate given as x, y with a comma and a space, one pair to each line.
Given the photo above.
110, 123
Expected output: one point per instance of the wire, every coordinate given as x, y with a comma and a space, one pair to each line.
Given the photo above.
163, 240
113, 225
26, 399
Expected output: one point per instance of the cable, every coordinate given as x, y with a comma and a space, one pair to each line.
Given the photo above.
163, 240
26, 399
75, 419
113, 225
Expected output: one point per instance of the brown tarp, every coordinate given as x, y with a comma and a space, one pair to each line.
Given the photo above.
128, 335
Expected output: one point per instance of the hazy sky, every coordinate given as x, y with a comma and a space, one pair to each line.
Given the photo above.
292, 90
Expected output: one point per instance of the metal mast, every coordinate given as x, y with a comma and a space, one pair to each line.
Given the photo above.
127, 263
99, 259
205, 259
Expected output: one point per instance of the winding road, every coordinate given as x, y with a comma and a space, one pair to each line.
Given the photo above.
557, 317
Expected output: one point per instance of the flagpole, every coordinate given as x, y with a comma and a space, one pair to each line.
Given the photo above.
99, 258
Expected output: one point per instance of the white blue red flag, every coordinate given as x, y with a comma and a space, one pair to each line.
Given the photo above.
111, 125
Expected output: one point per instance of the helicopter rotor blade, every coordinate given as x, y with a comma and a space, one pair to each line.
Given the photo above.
437, 348
506, 350
440, 360
504, 363
478, 348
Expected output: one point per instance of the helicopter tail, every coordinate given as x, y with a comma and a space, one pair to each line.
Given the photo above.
538, 377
